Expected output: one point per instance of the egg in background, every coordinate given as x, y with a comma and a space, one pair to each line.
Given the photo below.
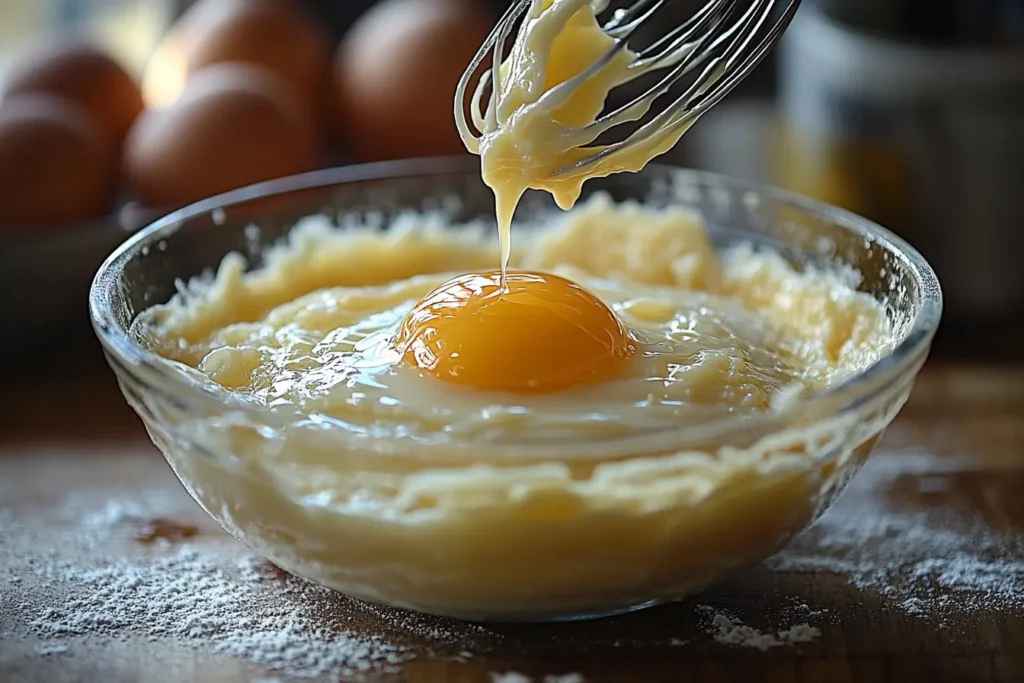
233, 125
57, 163
76, 69
275, 34
394, 77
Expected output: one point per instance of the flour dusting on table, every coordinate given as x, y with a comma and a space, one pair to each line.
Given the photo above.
729, 630
188, 597
925, 562
213, 596
513, 677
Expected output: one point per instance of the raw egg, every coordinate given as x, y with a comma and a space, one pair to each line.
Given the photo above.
394, 74
57, 165
275, 34
538, 333
77, 70
234, 125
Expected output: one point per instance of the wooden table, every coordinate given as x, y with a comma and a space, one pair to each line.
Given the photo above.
911, 576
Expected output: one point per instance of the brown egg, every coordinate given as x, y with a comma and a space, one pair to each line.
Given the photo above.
78, 70
57, 166
276, 34
394, 77
234, 124
167, 69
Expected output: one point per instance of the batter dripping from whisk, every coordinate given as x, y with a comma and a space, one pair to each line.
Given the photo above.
547, 97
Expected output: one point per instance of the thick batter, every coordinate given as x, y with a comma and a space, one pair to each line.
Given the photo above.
543, 117
353, 469
712, 336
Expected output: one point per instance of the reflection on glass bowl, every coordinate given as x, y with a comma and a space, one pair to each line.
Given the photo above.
544, 532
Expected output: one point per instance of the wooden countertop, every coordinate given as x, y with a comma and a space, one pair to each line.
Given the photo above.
916, 574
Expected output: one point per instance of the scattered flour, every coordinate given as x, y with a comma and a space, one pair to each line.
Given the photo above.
513, 677
801, 633
206, 595
50, 649
924, 561
190, 598
731, 631
510, 677
914, 606
95, 524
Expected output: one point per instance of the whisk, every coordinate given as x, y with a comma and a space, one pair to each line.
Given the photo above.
725, 38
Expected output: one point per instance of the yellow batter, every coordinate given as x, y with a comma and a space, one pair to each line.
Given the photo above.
712, 337
540, 122
357, 470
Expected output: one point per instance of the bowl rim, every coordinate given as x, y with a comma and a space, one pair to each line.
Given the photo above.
900, 365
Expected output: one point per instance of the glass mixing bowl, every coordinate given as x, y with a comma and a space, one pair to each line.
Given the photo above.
539, 532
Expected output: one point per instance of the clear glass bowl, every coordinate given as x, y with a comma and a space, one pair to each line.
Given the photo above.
544, 532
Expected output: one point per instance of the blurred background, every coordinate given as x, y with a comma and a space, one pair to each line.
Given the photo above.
113, 111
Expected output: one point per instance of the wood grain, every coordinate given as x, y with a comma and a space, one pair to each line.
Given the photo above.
953, 461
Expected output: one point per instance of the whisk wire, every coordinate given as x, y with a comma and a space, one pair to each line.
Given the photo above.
562, 92
682, 34
507, 20
720, 38
622, 17
639, 106
623, 31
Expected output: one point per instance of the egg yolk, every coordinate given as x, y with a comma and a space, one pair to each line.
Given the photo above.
539, 333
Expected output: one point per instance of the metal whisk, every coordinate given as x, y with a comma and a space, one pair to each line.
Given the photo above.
725, 38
